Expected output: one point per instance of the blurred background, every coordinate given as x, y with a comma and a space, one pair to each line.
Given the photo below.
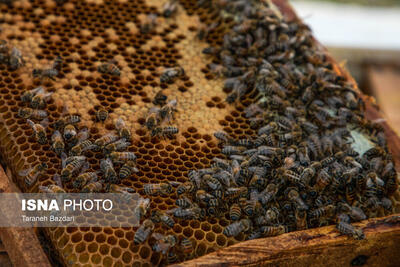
364, 36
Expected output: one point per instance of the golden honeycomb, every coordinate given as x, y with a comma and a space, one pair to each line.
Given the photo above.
85, 33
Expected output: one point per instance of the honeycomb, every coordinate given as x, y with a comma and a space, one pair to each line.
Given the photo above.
85, 33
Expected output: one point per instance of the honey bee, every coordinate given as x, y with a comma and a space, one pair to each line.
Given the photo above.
127, 169
348, 229
40, 99
107, 167
39, 130
153, 118
224, 137
109, 67
157, 189
16, 60
119, 145
184, 202
189, 214
29, 113
236, 192
69, 132
141, 208
268, 194
70, 166
49, 73
143, 232
267, 231
57, 63
187, 187
3, 46
187, 246
101, 115
57, 142
53, 188
33, 173
249, 207
238, 91
232, 150
67, 119
169, 75
81, 136
81, 148
84, 179
148, 24
235, 212
236, 228
169, 8
168, 131
127, 193
106, 139
122, 129
194, 177
355, 213
118, 157
205, 31
158, 216
93, 187
113, 188
301, 219
322, 211
167, 111
172, 257
160, 99
164, 243
28, 95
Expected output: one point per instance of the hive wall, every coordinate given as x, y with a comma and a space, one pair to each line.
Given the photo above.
85, 33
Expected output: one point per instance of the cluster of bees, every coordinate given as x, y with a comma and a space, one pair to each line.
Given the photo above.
301, 170
163, 111
11, 57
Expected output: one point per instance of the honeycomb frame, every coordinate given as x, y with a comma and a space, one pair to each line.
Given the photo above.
86, 33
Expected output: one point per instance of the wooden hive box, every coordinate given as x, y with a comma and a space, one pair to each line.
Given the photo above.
42, 35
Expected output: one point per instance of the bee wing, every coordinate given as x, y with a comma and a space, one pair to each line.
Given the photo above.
174, 184
158, 236
109, 161
24, 172
57, 179
85, 167
119, 123
43, 189
63, 159
171, 211
173, 102
45, 122
38, 90
31, 123
83, 135
154, 110
47, 96
113, 61
56, 135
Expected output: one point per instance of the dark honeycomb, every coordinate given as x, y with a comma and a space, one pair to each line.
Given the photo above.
84, 34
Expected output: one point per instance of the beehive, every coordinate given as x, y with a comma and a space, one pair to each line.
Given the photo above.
86, 33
